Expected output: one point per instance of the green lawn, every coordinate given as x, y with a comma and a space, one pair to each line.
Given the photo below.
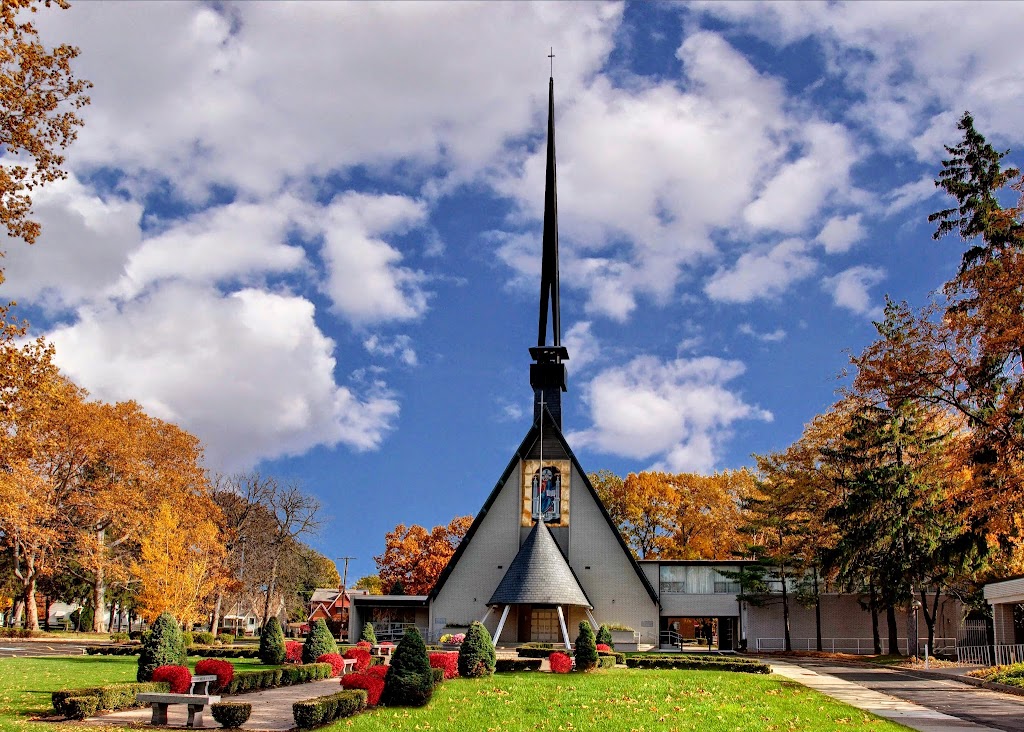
617, 699
622, 699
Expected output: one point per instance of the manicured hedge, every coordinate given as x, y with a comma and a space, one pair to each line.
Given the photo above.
507, 665
208, 652
606, 661
532, 652
324, 709
288, 675
112, 696
705, 663
620, 658
80, 707
231, 714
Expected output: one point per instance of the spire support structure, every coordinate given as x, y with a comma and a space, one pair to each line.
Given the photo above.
547, 374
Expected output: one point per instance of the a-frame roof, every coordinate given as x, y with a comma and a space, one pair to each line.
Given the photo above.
539, 575
550, 429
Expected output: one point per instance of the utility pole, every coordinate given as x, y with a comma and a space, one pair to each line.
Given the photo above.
345, 613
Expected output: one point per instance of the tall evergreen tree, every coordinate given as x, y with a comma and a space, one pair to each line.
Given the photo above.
163, 645
318, 642
409, 681
272, 646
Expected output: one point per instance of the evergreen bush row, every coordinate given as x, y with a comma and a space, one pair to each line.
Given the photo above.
508, 665
111, 697
210, 652
323, 709
706, 663
286, 676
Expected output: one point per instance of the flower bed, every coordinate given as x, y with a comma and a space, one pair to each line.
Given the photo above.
179, 678
372, 684
447, 661
223, 670
560, 663
361, 656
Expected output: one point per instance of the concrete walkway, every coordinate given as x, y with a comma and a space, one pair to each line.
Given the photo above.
271, 709
928, 703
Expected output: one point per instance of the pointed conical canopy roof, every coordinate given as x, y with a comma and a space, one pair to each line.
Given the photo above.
539, 575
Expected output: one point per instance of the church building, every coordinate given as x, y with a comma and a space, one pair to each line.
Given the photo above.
543, 554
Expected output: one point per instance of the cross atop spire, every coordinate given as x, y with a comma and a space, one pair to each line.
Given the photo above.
547, 375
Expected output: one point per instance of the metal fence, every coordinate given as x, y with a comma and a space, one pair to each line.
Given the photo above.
858, 646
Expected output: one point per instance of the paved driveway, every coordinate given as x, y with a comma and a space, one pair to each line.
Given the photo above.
10, 648
976, 707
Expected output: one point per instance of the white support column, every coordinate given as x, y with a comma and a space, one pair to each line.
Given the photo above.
565, 633
501, 624
593, 623
486, 614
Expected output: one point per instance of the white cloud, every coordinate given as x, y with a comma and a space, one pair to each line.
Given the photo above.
772, 336
365, 281
678, 411
850, 287
85, 243
225, 368
235, 96
909, 194
913, 89
400, 346
582, 344
761, 275
840, 233
226, 242
799, 189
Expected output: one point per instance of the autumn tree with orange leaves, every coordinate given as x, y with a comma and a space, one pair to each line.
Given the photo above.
40, 100
416, 557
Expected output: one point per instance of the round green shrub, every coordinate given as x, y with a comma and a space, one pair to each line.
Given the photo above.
586, 649
476, 654
225, 638
272, 649
318, 642
163, 645
188, 638
410, 680
204, 638
368, 635
231, 714
605, 636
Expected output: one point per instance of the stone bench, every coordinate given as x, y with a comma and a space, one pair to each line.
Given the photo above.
350, 666
195, 702
204, 680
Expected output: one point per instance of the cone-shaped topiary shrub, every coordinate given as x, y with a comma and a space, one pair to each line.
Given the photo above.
605, 636
476, 654
272, 643
162, 646
410, 680
318, 642
586, 649
368, 635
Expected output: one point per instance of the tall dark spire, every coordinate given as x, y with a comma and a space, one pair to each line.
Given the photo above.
547, 375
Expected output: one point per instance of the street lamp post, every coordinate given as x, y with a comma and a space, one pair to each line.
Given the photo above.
915, 606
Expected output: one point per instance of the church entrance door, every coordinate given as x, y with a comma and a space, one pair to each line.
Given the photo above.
544, 627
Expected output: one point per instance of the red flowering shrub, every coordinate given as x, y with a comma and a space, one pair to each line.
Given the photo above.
604, 647
223, 670
362, 657
380, 671
560, 663
364, 644
373, 686
336, 661
447, 661
385, 643
292, 652
179, 677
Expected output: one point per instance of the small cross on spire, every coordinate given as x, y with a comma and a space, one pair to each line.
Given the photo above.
551, 55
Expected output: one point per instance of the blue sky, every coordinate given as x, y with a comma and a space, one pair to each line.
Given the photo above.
310, 233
